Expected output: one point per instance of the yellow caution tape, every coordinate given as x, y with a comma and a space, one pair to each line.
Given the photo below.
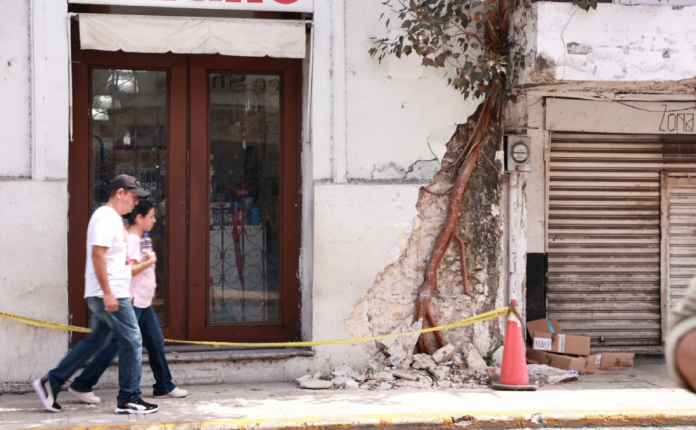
46, 324
478, 318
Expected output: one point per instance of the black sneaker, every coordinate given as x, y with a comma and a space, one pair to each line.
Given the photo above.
137, 407
43, 389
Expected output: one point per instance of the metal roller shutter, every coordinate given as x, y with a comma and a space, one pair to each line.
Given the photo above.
679, 241
604, 235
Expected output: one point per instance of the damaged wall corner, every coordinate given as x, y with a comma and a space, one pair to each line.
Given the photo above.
392, 297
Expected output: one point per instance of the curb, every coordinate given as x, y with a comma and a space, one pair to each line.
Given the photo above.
459, 420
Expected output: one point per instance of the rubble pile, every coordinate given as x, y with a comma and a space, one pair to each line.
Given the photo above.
445, 369
424, 373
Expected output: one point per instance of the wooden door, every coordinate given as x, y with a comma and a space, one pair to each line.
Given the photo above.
244, 232
130, 115
216, 140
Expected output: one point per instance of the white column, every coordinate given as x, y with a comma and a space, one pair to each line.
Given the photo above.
339, 167
517, 234
39, 110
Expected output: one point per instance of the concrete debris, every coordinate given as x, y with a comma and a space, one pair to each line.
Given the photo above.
440, 372
384, 344
414, 384
426, 374
474, 360
404, 363
547, 375
316, 384
359, 376
343, 370
341, 381
443, 354
302, 378
377, 365
404, 374
424, 378
400, 351
383, 376
423, 361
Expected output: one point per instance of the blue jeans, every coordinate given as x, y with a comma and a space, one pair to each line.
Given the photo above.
120, 326
154, 342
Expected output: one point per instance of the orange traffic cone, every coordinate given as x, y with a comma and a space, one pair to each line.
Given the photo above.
514, 367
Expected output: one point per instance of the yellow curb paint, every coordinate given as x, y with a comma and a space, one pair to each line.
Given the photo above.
478, 318
532, 418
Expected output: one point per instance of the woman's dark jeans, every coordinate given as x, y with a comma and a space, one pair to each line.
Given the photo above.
153, 341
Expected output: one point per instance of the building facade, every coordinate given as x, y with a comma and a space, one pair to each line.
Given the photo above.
608, 103
284, 162
287, 167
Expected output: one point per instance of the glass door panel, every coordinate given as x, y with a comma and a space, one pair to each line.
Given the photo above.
136, 123
244, 199
244, 115
129, 124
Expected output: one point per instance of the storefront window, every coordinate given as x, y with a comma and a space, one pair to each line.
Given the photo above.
129, 118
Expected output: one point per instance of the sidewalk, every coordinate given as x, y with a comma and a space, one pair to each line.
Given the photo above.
629, 396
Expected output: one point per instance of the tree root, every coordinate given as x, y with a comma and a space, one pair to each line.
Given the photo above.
469, 155
495, 34
462, 248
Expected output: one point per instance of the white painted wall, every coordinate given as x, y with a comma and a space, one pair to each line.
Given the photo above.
33, 276
15, 76
33, 222
393, 108
615, 42
355, 226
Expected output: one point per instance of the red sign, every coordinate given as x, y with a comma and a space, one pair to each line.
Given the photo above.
260, 5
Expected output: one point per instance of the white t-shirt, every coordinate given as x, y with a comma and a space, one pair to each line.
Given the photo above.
106, 229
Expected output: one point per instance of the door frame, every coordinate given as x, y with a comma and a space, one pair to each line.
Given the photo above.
186, 306
288, 329
80, 190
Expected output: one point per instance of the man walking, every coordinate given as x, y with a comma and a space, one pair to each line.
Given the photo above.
107, 290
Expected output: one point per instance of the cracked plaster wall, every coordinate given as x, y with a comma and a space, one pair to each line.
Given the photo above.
393, 109
615, 42
392, 296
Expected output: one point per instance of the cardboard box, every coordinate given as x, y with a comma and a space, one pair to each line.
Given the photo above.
617, 359
561, 343
540, 333
542, 326
565, 362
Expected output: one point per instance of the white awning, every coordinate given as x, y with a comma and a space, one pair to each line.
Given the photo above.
193, 35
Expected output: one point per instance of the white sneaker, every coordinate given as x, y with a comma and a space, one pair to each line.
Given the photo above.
43, 389
85, 397
174, 394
